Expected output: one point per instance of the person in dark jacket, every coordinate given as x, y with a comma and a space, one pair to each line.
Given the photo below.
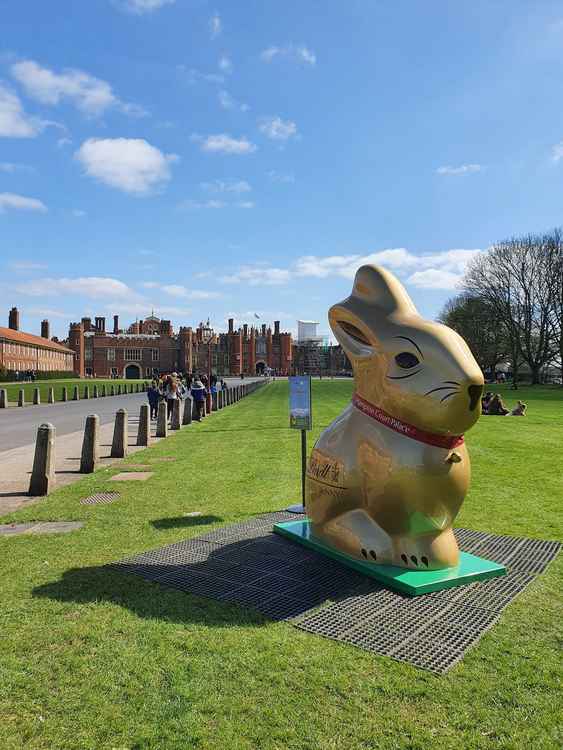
153, 395
199, 393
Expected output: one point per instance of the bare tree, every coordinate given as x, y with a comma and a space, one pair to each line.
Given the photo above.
515, 278
481, 327
554, 242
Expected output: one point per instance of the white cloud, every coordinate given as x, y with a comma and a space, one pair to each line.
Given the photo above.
194, 76
225, 64
144, 6
215, 25
441, 270
192, 205
64, 142
228, 102
226, 186
10, 167
27, 265
258, 276
277, 129
178, 290
435, 278
195, 205
20, 203
557, 151
399, 260
463, 169
89, 94
128, 164
225, 144
280, 177
14, 122
93, 287
295, 53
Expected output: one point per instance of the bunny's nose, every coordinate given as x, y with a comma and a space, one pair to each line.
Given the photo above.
475, 392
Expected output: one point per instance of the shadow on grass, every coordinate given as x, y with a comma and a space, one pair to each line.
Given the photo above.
183, 522
202, 582
100, 584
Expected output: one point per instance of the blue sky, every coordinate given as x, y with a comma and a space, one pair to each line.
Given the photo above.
224, 159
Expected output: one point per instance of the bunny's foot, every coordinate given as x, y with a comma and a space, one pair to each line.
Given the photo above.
431, 552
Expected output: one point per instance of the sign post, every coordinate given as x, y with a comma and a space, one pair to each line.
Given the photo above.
300, 418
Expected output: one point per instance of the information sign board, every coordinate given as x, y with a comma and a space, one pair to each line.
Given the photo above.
300, 403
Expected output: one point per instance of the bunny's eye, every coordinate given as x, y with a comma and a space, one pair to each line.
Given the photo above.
406, 360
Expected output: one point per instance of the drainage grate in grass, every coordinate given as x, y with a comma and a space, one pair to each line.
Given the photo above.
100, 498
246, 564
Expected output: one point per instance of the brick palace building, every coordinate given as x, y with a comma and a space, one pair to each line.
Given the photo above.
151, 346
21, 352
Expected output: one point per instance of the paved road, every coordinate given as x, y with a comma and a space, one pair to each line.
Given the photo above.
18, 427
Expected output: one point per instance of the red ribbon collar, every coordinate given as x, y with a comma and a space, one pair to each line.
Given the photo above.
430, 438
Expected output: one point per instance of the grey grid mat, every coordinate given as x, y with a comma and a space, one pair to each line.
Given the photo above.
248, 565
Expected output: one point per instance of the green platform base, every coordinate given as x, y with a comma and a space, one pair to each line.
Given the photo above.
413, 582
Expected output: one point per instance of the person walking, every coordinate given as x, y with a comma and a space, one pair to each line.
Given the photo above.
199, 393
153, 395
171, 394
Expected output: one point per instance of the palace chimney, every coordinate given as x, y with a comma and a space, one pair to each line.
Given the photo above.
231, 325
100, 324
14, 319
45, 330
116, 323
276, 327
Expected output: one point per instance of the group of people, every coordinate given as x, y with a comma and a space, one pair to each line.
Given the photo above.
28, 376
493, 405
175, 386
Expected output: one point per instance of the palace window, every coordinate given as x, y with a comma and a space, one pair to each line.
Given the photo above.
155, 355
88, 355
133, 355
111, 355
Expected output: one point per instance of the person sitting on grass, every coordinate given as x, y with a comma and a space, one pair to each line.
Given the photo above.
199, 392
485, 401
518, 411
497, 407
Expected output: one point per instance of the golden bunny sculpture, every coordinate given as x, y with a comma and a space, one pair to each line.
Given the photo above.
387, 478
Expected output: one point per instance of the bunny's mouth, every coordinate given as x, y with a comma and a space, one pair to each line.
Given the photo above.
475, 393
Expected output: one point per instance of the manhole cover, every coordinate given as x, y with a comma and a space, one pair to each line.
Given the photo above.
101, 498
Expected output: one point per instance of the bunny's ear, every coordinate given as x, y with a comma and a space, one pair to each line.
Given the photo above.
350, 331
378, 287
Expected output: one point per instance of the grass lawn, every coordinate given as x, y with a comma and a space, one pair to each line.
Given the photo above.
44, 385
97, 659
